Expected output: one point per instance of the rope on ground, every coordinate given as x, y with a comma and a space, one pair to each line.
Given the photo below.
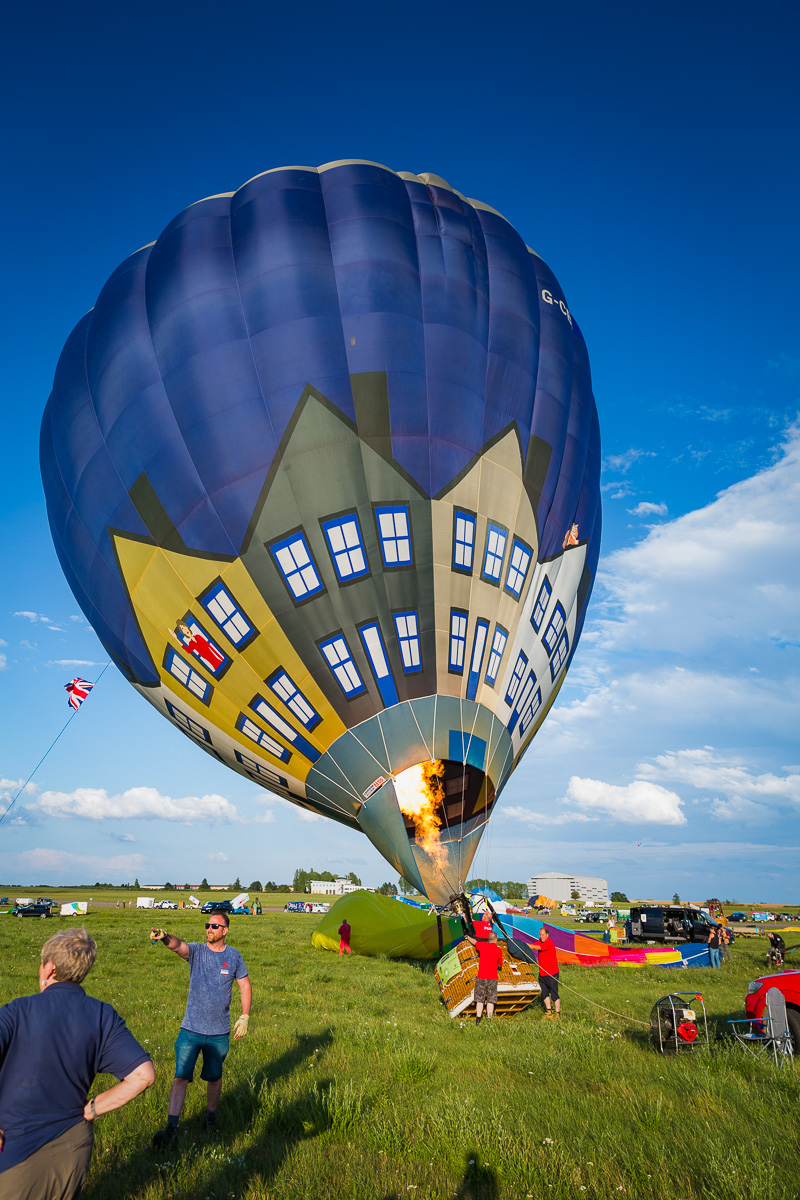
622, 1016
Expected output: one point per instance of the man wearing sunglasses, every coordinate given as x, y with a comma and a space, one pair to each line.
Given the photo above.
206, 1024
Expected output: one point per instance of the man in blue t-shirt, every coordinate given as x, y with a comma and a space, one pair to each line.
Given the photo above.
206, 1024
51, 1047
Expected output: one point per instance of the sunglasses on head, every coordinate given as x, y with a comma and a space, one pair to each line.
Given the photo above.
210, 926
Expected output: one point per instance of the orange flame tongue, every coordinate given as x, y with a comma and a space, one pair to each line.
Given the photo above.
419, 791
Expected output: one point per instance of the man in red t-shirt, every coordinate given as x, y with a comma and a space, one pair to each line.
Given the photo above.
491, 960
344, 937
548, 971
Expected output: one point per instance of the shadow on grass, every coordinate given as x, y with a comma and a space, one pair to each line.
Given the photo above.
217, 1166
479, 1182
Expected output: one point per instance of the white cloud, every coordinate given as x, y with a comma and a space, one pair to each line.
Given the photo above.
95, 804
646, 508
70, 663
3, 662
729, 570
38, 619
10, 787
528, 817
740, 795
219, 857
303, 814
267, 818
638, 803
623, 462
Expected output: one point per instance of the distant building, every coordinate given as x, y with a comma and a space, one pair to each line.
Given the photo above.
334, 887
558, 886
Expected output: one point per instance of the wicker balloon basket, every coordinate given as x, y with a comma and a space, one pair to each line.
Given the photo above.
457, 971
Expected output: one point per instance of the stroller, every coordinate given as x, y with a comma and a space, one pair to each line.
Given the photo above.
777, 950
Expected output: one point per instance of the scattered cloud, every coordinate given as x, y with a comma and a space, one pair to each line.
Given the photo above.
623, 462
69, 663
785, 365
637, 803
740, 795
39, 619
529, 817
45, 859
267, 818
303, 814
3, 662
121, 837
647, 509
218, 857
137, 803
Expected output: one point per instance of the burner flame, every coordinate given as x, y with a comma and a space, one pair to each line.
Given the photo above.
419, 792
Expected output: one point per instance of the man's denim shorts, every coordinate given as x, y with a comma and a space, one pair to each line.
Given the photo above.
188, 1047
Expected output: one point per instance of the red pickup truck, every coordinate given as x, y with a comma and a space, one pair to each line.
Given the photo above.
787, 982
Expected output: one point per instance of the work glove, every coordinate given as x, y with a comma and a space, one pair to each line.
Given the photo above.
158, 935
240, 1028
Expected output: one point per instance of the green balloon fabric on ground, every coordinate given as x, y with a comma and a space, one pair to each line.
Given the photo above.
382, 925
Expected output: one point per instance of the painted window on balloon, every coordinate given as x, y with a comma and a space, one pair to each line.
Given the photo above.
406, 625
496, 654
530, 712
337, 655
260, 770
516, 677
458, 640
296, 566
346, 546
273, 718
265, 740
192, 680
542, 601
554, 628
523, 700
560, 656
188, 723
288, 691
496, 539
463, 540
476, 658
228, 614
518, 564
394, 531
372, 640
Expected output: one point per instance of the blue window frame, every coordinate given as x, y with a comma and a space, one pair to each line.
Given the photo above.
214, 659
185, 673
187, 723
266, 741
228, 614
271, 717
372, 640
296, 566
463, 540
496, 654
406, 625
394, 531
518, 564
523, 698
555, 626
346, 546
476, 658
529, 711
516, 678
260, 771
337, 655
458, 640
496, 540
287, 690
542, 601
560, 656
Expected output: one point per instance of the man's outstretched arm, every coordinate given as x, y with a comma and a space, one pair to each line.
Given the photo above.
171, 941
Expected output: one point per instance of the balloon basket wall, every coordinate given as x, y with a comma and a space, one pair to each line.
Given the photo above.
517, 985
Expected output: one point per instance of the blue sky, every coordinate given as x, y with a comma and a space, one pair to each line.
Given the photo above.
648, 153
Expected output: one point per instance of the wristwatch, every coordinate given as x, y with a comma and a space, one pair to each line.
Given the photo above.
94, 1110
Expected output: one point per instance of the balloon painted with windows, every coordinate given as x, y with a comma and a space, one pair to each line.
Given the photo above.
322, 470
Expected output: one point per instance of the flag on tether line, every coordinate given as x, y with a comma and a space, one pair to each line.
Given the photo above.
78, 690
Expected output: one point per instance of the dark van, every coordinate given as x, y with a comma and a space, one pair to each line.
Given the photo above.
669, 922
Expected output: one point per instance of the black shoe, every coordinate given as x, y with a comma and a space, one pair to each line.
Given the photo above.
478, 1020
164, 1137
210, 1122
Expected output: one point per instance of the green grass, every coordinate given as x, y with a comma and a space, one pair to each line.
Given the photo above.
354, 1083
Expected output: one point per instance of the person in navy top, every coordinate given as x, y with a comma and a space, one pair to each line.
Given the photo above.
52, 1045
206, 1024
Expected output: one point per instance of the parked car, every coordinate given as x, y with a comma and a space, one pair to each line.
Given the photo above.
165, 904
786, 917
661, 923
738, 916
787, 982
32, 910
212, 906
5, 900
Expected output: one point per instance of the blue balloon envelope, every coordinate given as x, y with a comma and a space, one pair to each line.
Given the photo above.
322, 470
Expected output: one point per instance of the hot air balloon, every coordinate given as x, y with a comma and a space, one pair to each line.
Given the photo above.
322, 470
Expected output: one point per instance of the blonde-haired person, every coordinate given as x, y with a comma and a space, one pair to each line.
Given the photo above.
51, 1047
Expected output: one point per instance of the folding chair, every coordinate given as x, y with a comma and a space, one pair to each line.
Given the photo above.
770, 1035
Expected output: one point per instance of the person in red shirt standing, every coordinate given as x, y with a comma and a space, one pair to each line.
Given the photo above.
344, 937
490, 961
548, 971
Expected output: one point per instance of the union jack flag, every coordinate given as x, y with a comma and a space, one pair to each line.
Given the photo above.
78, 690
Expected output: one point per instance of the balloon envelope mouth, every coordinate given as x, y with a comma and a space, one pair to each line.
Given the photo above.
465, 799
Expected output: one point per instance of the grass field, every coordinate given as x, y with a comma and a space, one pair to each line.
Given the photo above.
354, 1083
